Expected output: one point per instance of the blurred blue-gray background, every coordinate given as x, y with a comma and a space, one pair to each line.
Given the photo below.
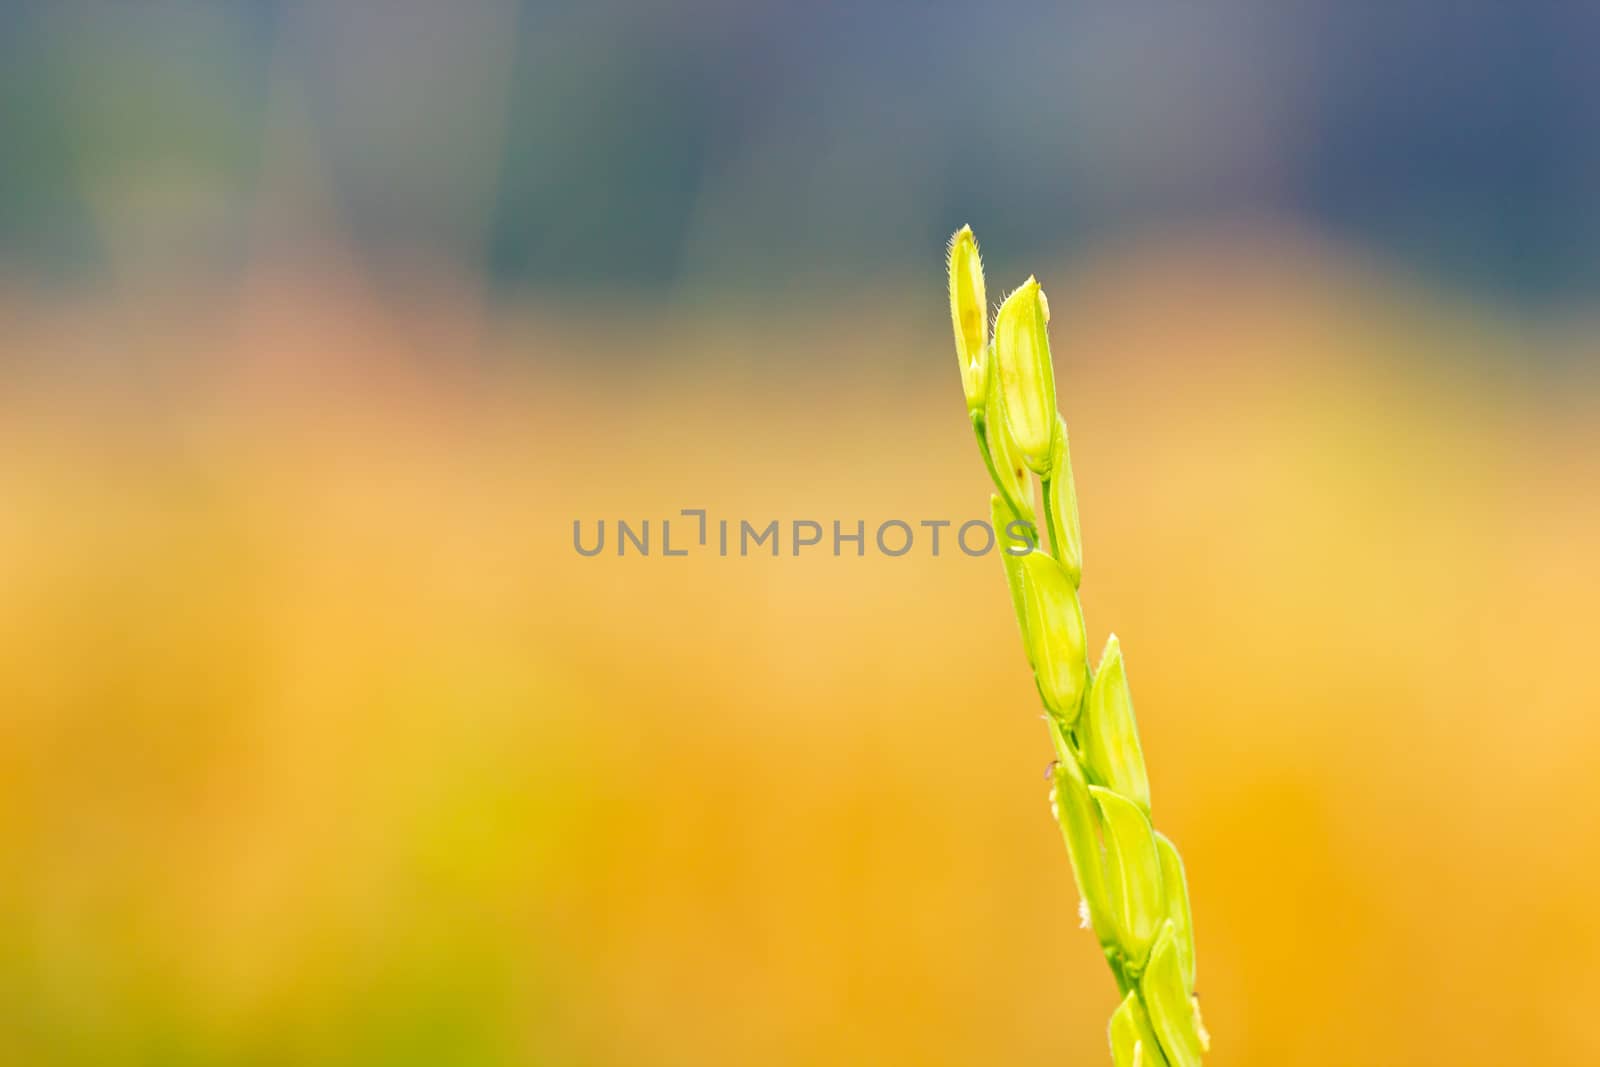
762, 144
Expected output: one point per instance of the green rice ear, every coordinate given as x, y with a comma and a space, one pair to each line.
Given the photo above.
1022, 362
1176, 884
1063, 505
1133, 1042
1173, 1012
1075, 812
1131, 882
969, 315
1133, 875
1009, 469
1000, 517
1110, 735
1055, 635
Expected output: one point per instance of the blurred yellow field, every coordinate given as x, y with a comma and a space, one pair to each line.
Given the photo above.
319, 743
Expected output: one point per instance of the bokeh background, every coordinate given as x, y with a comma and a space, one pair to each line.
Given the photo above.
320, 323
